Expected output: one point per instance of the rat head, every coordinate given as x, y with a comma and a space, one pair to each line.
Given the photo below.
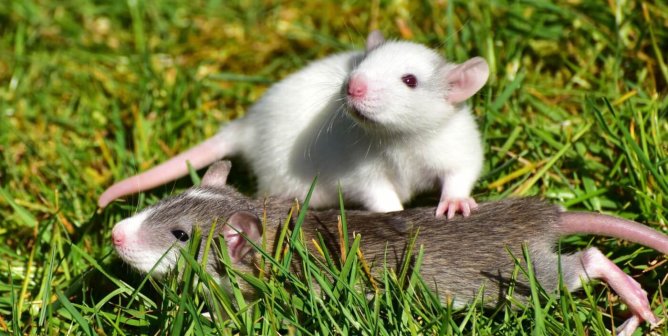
406, 87
143, 239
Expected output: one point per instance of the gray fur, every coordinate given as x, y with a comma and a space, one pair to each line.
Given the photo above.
461, 254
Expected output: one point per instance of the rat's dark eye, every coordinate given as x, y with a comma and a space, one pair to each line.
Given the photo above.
410, 80
180, 235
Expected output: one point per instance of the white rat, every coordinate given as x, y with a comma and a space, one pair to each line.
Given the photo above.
383, 124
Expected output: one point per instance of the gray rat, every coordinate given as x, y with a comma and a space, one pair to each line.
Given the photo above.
459, 257
385, 124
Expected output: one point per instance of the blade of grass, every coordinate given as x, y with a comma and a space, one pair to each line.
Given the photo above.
531, 181
76, 316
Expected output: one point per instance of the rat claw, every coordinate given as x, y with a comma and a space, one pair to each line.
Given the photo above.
452, 209
649, 316
440, 209
466, 209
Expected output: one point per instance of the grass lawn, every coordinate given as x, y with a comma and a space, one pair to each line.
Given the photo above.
91, 92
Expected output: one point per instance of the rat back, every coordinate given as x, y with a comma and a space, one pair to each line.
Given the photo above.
463, 254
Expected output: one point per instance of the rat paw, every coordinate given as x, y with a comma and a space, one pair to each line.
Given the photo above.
629, 326
636, 299
454, 205
598, 266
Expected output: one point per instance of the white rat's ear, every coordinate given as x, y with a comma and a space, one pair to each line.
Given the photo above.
216, 175
466, 79
240, 224
374, 39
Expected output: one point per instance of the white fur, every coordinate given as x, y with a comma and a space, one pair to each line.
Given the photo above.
130, 226
417, 141
398, 141
202, 194
136, 254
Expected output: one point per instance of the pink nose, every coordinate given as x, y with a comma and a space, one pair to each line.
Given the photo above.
118, 237
356, 87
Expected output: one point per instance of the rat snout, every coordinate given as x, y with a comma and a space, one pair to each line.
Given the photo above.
127, 231
357, 86
117, 236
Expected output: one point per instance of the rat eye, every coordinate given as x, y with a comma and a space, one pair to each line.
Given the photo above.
410, 80
180, 235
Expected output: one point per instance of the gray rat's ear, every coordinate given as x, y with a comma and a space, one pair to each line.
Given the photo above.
240, 224
466, 79
216, 175
374, 39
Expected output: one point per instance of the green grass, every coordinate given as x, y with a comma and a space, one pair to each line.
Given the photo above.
91, 92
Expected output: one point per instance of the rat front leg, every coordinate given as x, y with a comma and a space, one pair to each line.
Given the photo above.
595, 265
455, 193
381, 197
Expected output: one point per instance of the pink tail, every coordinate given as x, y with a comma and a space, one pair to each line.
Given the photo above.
604, 225
199, 156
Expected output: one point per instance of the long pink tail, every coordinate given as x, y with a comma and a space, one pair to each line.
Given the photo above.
199, 156
604, 225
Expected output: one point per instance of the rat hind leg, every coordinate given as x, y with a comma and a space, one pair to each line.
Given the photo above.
592, 264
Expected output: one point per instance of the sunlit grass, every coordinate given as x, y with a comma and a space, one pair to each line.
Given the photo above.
90, 93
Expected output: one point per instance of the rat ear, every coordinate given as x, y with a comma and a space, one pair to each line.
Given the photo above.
240, 224
216, 175
466, 79
374, 39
